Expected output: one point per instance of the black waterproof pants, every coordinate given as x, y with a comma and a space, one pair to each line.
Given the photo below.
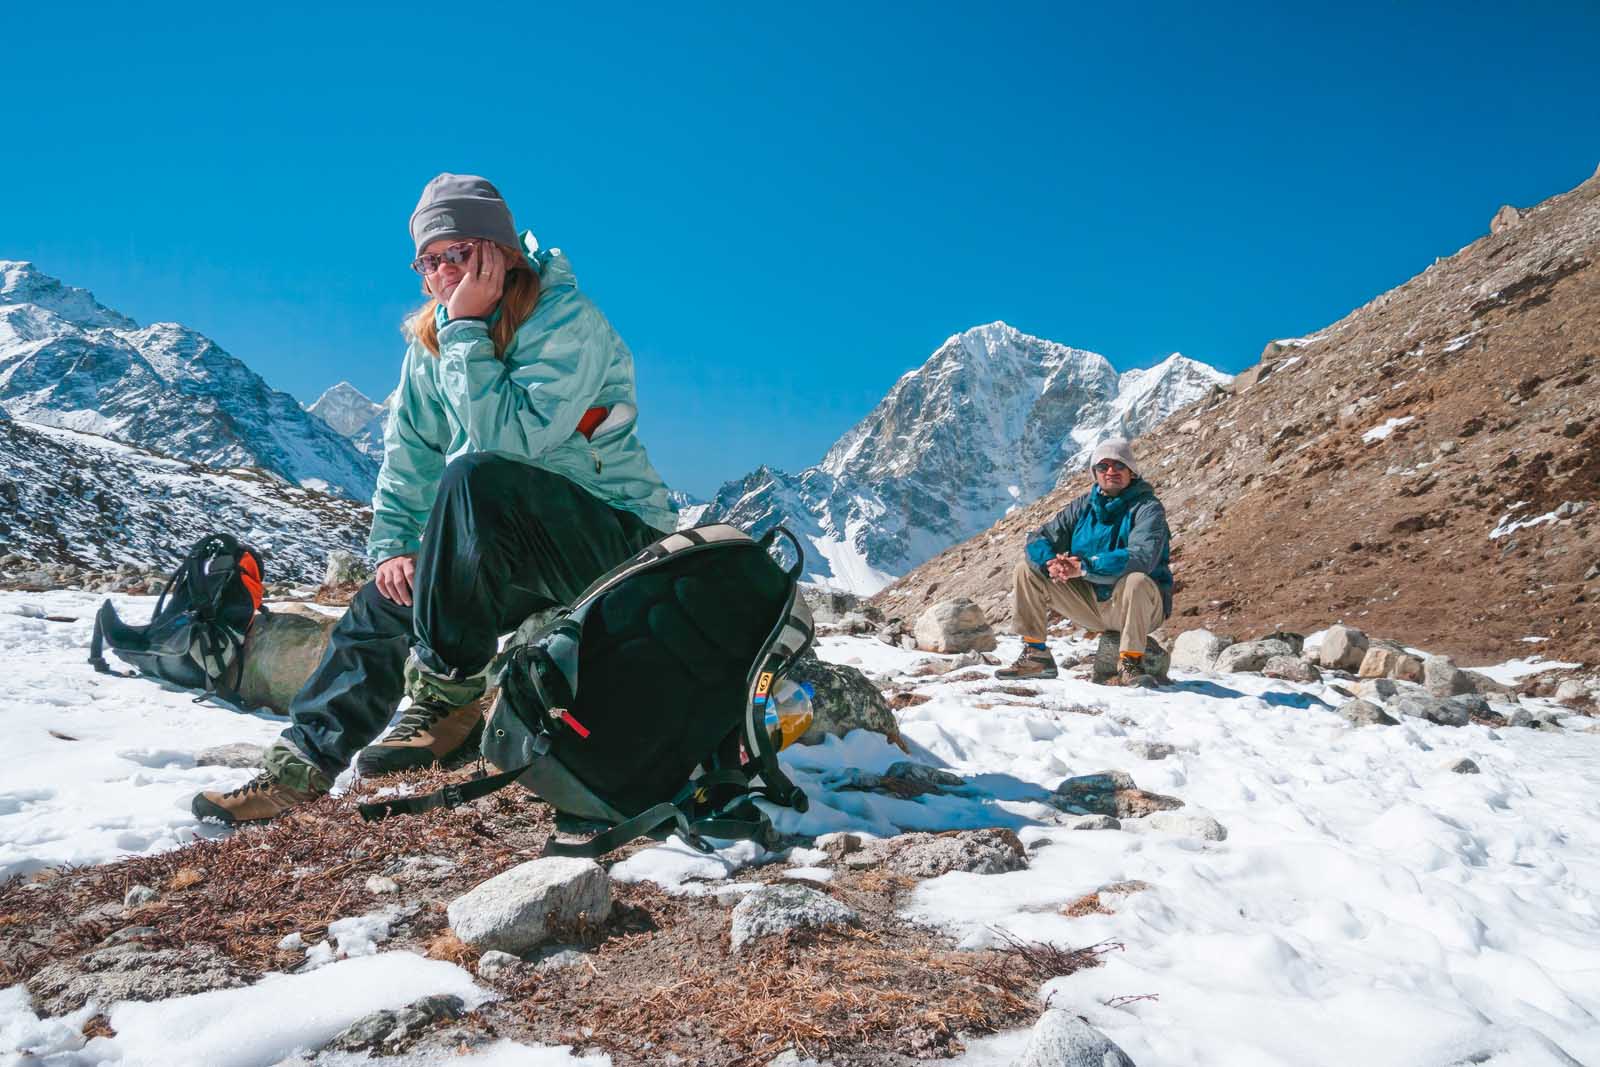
504, 540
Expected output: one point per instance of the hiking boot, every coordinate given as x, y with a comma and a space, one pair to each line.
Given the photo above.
287, 781
1033, 663
1108, 660
1131, 672
443, 725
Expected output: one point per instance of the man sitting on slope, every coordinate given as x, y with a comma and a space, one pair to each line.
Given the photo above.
1102, 563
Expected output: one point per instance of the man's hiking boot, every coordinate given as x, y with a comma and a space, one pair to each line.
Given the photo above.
1033, 663
287, 782
1108, 660
1130, 672
443, 725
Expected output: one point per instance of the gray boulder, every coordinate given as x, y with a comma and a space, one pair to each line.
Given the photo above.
281, 650
1198, 650
1342, 648
1462, 766
1291, 669
829, 607
1095, 822
1061, 1039
1364, 713
1109, 793
1251, 655
903, 779
517, 910
1183, 823
1151, 750
1384, 661
1442, 678
843, 700
386, 1027
1296, 642
1573, 691
989, 851
1471, 704
776, 909
956, 625
1433, 709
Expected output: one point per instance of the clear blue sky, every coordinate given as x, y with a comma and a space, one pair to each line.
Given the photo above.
784, 210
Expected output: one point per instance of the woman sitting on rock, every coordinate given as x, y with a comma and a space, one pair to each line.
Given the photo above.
512, 478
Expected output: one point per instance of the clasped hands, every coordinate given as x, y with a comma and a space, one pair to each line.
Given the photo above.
1064, 568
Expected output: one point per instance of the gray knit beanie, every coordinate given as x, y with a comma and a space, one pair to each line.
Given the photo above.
462, 205
1116, 448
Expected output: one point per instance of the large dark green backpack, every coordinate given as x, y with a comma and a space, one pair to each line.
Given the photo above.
643, 706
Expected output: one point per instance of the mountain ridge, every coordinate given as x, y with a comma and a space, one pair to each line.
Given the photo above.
69, 361
986, 423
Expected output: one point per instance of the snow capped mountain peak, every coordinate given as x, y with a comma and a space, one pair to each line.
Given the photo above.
23, 283
345, 408
68, 361
990, 421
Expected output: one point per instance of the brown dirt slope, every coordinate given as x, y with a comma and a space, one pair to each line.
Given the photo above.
1285, 514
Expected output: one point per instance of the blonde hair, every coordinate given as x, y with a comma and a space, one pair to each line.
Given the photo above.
521, 296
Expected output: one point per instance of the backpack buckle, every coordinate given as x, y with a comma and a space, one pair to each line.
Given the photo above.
452, 795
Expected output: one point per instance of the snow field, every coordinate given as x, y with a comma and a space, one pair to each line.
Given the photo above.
122, 784
1367, 905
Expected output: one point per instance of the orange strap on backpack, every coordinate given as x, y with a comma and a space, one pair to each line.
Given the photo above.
250, 574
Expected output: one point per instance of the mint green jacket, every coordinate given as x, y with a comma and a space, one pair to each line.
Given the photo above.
565, 359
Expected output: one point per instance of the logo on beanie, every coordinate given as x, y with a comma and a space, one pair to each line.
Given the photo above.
440, 222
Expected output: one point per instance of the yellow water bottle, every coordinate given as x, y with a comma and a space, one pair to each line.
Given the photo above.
789, 713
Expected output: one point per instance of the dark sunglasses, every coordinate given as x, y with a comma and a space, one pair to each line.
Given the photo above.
457, 254
1106, 466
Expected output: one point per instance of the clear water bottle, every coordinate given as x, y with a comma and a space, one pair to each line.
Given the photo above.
789, 713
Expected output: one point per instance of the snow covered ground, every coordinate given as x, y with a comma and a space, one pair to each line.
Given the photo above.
1367, 905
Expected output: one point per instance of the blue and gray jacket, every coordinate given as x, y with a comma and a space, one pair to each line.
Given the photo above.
1113, 535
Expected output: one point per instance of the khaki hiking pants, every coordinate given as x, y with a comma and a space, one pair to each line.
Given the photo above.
1134, 608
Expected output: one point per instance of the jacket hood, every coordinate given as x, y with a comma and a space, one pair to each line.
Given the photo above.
555, 270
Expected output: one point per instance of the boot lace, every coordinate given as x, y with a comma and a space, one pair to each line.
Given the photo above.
418, 719
259, 784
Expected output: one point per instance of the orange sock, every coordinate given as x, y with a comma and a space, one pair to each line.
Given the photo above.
1133, 655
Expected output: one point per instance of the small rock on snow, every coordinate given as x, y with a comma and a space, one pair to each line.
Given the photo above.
1061, 1039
